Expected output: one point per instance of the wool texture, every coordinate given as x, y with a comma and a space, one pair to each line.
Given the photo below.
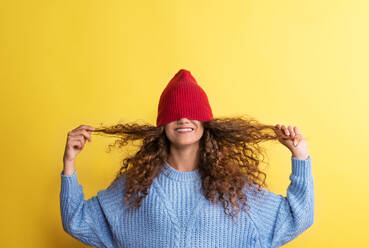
176, 214
183, 98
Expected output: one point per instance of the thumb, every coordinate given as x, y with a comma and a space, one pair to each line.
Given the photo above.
296, 140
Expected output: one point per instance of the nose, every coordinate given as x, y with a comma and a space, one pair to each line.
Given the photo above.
183, 119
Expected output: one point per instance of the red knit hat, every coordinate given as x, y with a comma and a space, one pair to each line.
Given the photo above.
183, 98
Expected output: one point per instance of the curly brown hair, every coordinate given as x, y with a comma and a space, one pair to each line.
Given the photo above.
230, 157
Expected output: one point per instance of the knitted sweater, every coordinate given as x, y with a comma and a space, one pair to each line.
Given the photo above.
176, 214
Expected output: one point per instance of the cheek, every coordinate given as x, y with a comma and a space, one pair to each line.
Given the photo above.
199, 133
170, 134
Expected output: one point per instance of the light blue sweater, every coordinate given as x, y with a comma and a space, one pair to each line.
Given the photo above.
176, 214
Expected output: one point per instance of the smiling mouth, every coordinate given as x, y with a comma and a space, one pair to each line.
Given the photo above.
184, 130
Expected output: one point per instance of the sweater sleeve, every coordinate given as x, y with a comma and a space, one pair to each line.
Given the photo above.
280, 219
85, 220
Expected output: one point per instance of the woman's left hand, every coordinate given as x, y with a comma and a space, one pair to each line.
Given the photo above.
293, 140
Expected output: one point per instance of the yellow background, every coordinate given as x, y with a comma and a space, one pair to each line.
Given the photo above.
67, 63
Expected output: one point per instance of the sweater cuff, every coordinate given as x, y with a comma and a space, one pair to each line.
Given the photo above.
69, 185
301, 167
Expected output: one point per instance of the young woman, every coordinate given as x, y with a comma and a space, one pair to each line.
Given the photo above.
189, 181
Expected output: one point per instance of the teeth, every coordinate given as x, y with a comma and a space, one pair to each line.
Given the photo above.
183, 129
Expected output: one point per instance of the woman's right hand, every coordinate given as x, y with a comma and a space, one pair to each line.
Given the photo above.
76, 141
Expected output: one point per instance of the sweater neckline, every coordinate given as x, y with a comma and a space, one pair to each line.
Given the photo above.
183, 176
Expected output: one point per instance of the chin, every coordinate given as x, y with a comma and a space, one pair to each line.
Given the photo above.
185, 143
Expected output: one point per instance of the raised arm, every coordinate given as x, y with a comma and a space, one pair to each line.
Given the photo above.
280, 219
83, 219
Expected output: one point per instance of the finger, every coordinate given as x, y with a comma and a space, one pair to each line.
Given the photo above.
89, 128
82, 142
285, 130
290, 128
85, 127
80, 138
281, 134
76, 144
297, 140
80, 127
278, 130
84, 133
297, 130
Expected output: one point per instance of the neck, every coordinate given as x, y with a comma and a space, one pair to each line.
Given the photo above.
184, 158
